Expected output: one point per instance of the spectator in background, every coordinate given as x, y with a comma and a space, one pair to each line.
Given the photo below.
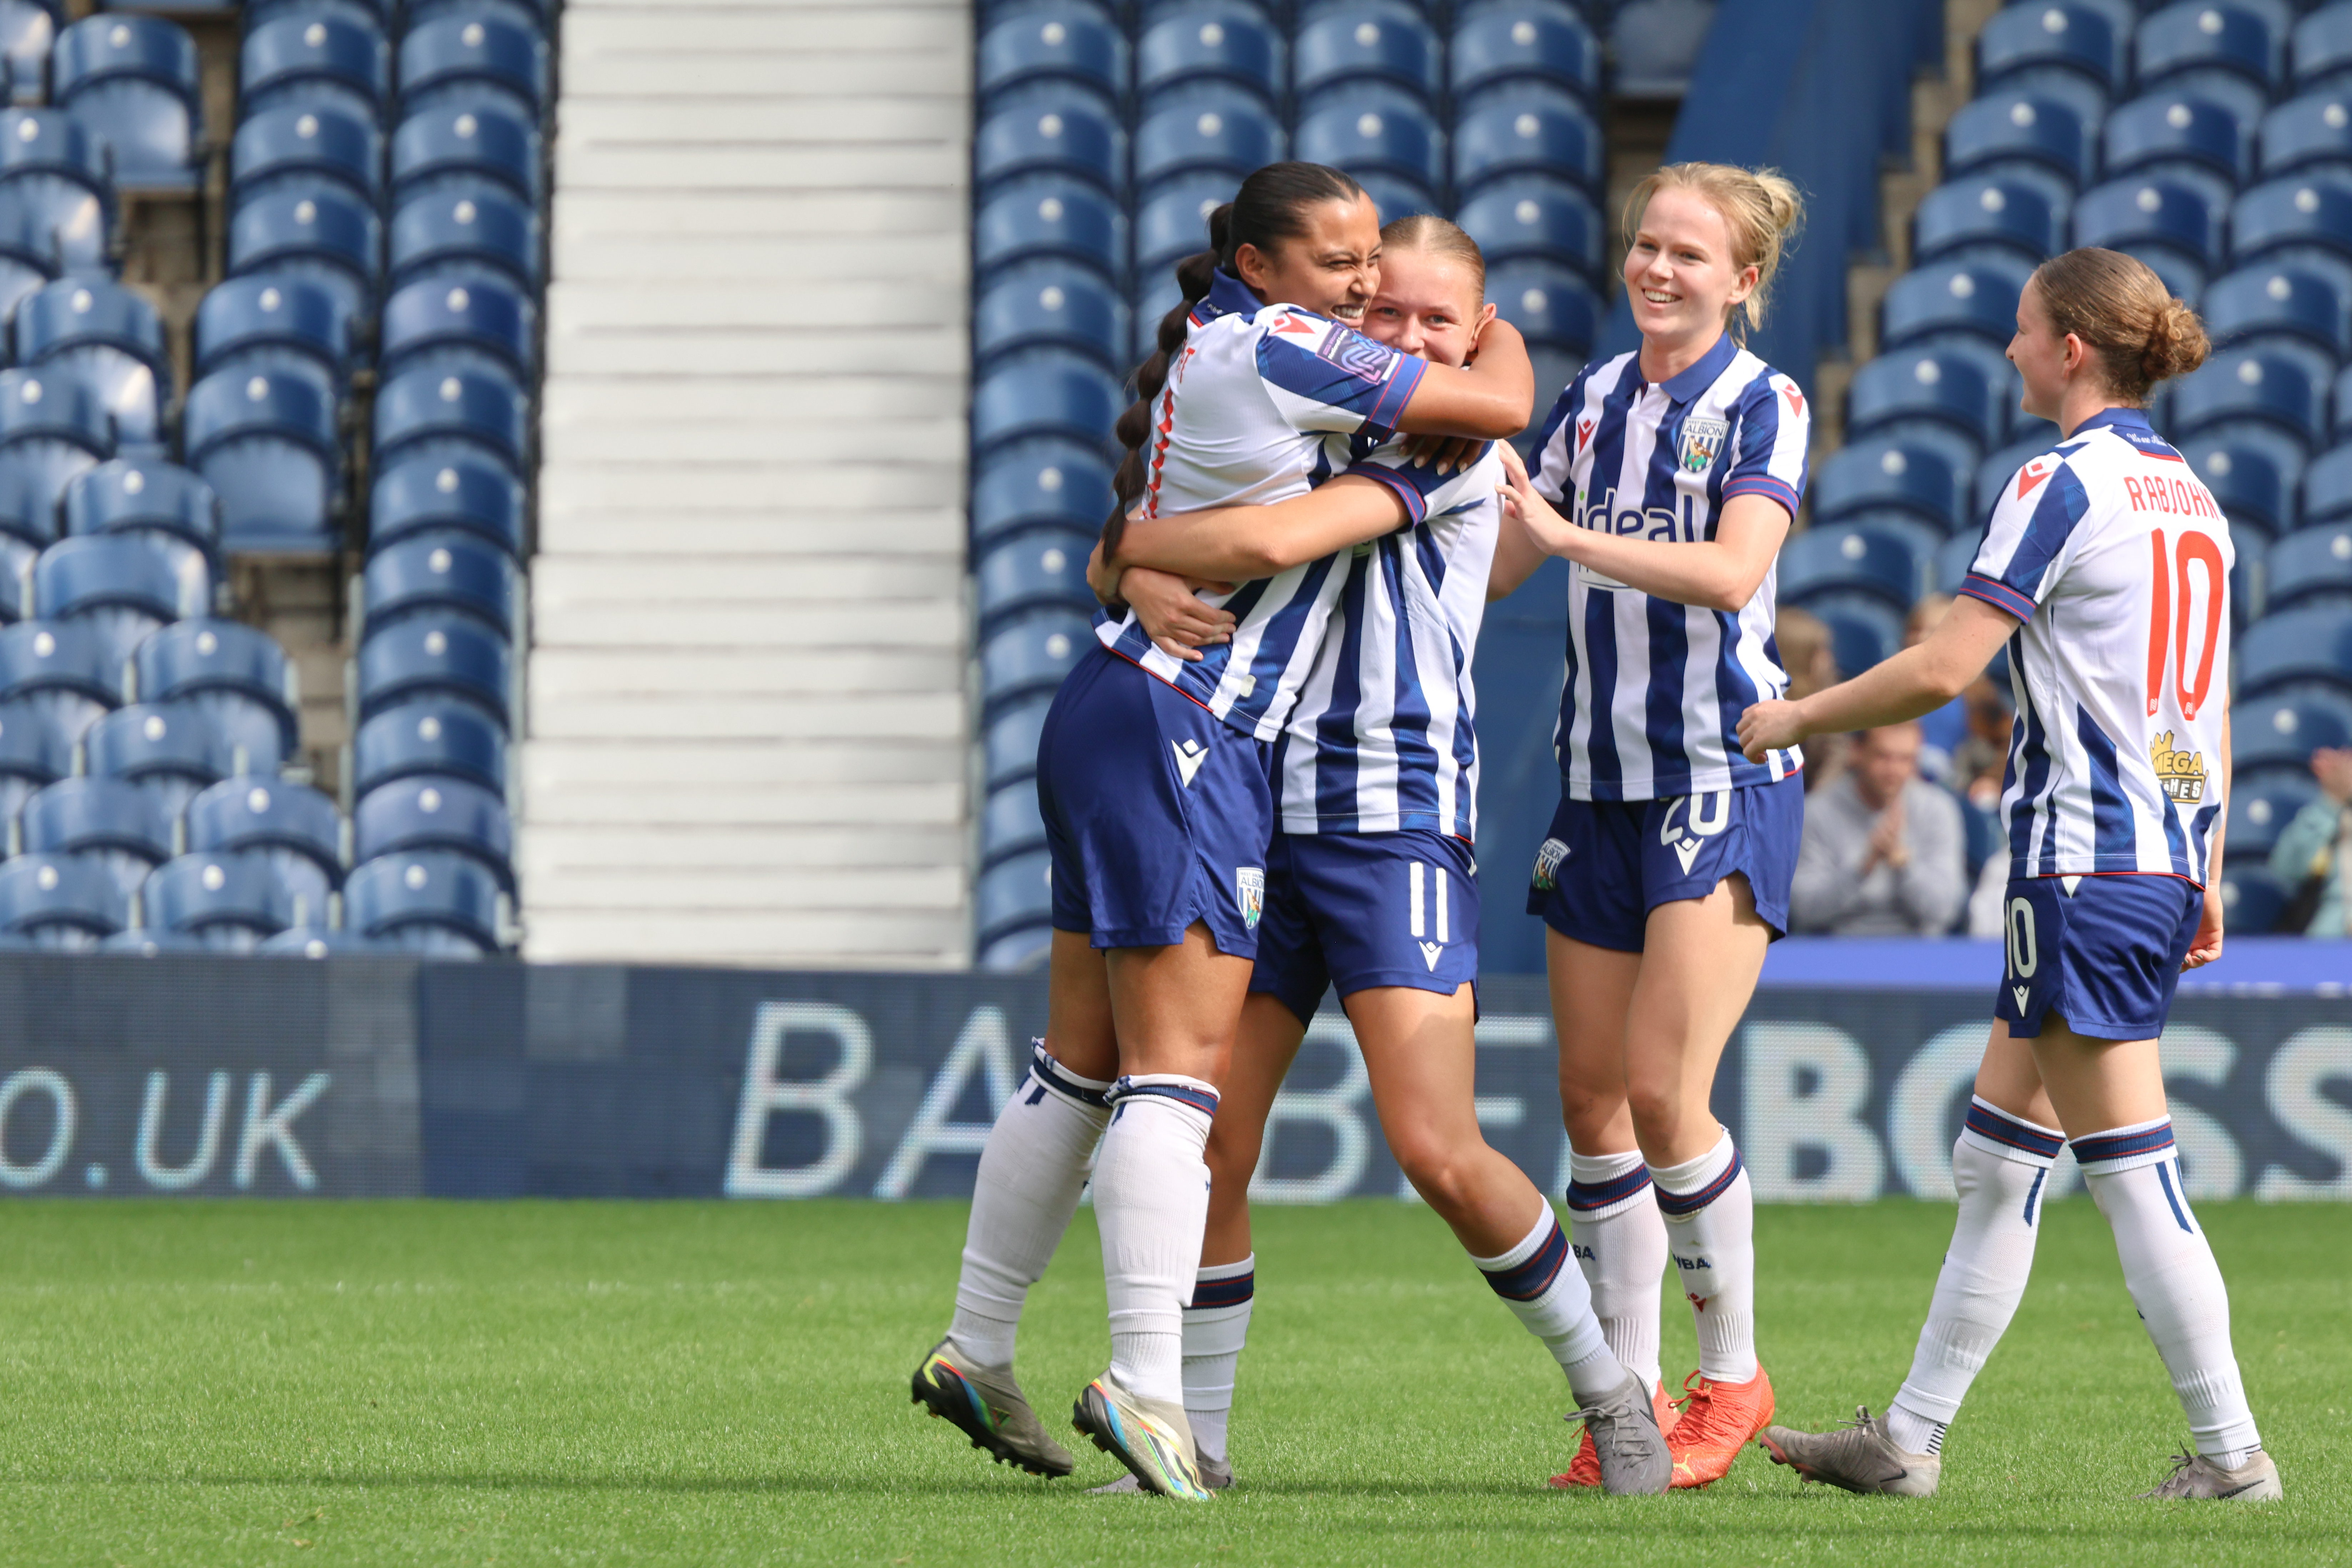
1941, 733
1980, 762
1883, 854
2312, 856
1802, 640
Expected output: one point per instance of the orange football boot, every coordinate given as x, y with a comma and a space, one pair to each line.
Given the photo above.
1584, 1471
1719, 1420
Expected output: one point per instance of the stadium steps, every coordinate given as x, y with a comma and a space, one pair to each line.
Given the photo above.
748, 726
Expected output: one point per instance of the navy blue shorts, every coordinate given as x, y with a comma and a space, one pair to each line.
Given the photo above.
2105, 956
1361, 909
1608, 863
1157, 813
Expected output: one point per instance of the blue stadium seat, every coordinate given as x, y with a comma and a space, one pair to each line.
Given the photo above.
2054, 49
538, 14
460, 326
1222, 41
1036, 572
1209, 130
1526, 130
382, 13
431, 901
1014, 896
268, 444
1962, 220
2170, 225
29, 525
2301, 303
1976, 299
430, 812
169, 750
1862, 631
462, 151
469, 577
2306, 645
111, 341
269, 326
435, 415
121, 585
148, 941
429, 738
1549, 304
66, 670
2169, 132
61, 902
1016, 951
2252, 899
1345, 45
468, 61
487, 235
232, 902
52, 428
1907, 387
2269, 384
1055, 485
1541, 220
1846, 559
1010, 741
325, 236
1394, 197
459, 497
1877, 475
1051, 394
293, 826
2314, 132
436, 658
2327, 486
305, 149
321, 942
1953, 558
2253, 474
1067, 41
2006, 131
62, 173
239, 678
36, 751
1052, 306
28, 32
2309, 216
1524, 40
2322, 47
2273, 736
161, 502
2215, 49
1050, 219
1375, 133
1073, 138
1010, 823
313, 56
1174, 223
110, 822
135, 81
2258, 815
1030, 655
2310, 568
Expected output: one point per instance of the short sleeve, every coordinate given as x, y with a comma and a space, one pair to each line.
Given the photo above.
1326, 376
1776, 427
1554, 455
1426, 493
2020, 561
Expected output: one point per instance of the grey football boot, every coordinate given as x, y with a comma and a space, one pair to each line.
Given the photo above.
2195, 1477
1217, 1477
1859, 1457
1150, 1437
1623, 1424
986, 1405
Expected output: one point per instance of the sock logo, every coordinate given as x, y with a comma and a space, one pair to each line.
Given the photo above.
1587, 1254
1190, 756
1690, 1263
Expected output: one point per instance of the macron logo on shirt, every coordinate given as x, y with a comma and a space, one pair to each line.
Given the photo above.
2033, 474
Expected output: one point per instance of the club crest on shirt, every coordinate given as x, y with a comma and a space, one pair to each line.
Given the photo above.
1700, 442
1357, 355
1249, 893
2180, 774
1547, 859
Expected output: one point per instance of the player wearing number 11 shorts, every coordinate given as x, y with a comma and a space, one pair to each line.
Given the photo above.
2106, 569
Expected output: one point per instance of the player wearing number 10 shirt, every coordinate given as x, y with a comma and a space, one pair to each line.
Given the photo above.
2104, 568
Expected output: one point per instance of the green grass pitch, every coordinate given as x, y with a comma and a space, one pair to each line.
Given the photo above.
194, 1384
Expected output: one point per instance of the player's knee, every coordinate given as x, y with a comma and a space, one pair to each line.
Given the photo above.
1445, 1177
1657, 1107
1588, 1114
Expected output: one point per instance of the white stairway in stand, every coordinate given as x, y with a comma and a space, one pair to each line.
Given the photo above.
748, 726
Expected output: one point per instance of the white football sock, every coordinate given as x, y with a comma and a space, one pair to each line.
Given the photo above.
1151, 1205
1620, 1244
1216, 1327
1710, 1215
2001, 1165
1535, 1281
1032, 1170
2134, 1174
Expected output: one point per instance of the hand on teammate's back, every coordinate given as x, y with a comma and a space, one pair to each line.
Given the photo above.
1170, 610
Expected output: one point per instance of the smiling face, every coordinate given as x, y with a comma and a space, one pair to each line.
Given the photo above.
1428, 305
1331, 267
2046, 360
1680, 274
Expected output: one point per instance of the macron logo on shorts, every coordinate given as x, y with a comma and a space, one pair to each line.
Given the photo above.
1190, 756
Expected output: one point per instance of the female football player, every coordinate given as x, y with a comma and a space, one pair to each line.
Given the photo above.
1666, 870
2105, 570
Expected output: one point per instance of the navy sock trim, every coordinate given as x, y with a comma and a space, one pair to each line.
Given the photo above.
1680, 1204
1049, 1075
2096, 1150
1232, 1292
2011, 1133
2164, 1174
1583, 1196
2034, 1191
1530, 1280
1203, 1101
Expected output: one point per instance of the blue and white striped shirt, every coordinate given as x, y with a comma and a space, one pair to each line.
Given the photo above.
1263, 403
1651, 706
